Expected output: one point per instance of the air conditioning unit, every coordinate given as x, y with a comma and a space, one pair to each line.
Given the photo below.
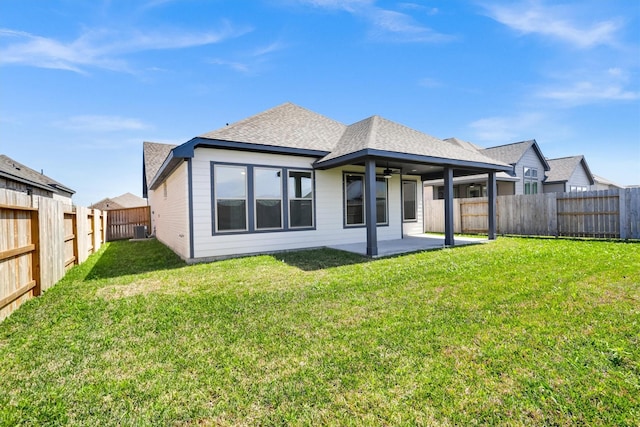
140, 232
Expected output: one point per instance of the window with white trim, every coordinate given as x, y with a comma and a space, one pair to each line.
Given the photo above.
530, 180
300, 187
267, 187
230, 197
577, 188
354, 190
409, 200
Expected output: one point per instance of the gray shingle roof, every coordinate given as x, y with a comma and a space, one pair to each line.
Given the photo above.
381, 134
563, 168
289, 128
509, 153
154, 154
12, 169
463, 144
286, 125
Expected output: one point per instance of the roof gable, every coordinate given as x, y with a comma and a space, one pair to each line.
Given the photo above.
513, 153
21, 173
562, 169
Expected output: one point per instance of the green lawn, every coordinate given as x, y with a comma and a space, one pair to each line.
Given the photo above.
516, 332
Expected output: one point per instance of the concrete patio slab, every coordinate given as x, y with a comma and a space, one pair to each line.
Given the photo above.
414, 243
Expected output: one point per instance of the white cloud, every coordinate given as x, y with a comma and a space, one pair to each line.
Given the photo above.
557, 22
99, 123
589, 92
251, 61
503, 129
234, 65
430, 83
386, 24
100, 48
591, 86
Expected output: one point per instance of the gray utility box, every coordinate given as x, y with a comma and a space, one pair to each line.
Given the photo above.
140, 232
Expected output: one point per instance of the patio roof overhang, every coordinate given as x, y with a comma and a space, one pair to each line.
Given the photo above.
427, 167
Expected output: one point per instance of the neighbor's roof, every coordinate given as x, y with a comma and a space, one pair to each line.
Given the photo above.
290, 129
16, 171
512, 153
604, 181
124, 201
563, 168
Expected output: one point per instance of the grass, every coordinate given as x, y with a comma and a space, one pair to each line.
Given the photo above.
517, 332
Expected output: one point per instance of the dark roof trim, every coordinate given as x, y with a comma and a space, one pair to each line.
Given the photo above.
186, 151
61, 187
541, 156
411, 158
26, 181
260, 148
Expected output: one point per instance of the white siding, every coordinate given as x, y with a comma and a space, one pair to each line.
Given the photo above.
170, 214
328, 209
579, 177
531, 160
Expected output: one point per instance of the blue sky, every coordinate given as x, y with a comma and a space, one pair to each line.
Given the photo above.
84, 83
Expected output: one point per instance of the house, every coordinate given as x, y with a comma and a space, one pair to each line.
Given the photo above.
289, 178
525, 177
123, 201
18, 177
605, 184
568, 174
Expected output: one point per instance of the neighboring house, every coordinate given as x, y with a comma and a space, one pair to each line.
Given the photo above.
18, 177
525, 177
289, 178
604, 184
124, 201
568, 174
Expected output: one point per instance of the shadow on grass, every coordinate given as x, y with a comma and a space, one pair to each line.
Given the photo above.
319, 259
123, 257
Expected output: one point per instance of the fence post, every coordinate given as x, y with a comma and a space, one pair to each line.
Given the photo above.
35, 255
622, 209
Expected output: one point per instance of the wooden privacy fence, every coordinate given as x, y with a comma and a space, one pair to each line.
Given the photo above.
40, 239
121, 222
600, 214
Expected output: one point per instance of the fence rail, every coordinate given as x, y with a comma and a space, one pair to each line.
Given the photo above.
40, 239
600, 214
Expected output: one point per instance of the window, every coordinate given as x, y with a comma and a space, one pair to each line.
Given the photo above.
230, 197
577, 188
300, 199
409, 196
381, 200
252, 198
354, 200
268, 197
530, 181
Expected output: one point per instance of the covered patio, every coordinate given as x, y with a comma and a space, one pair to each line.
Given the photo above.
376, 143
415, 243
